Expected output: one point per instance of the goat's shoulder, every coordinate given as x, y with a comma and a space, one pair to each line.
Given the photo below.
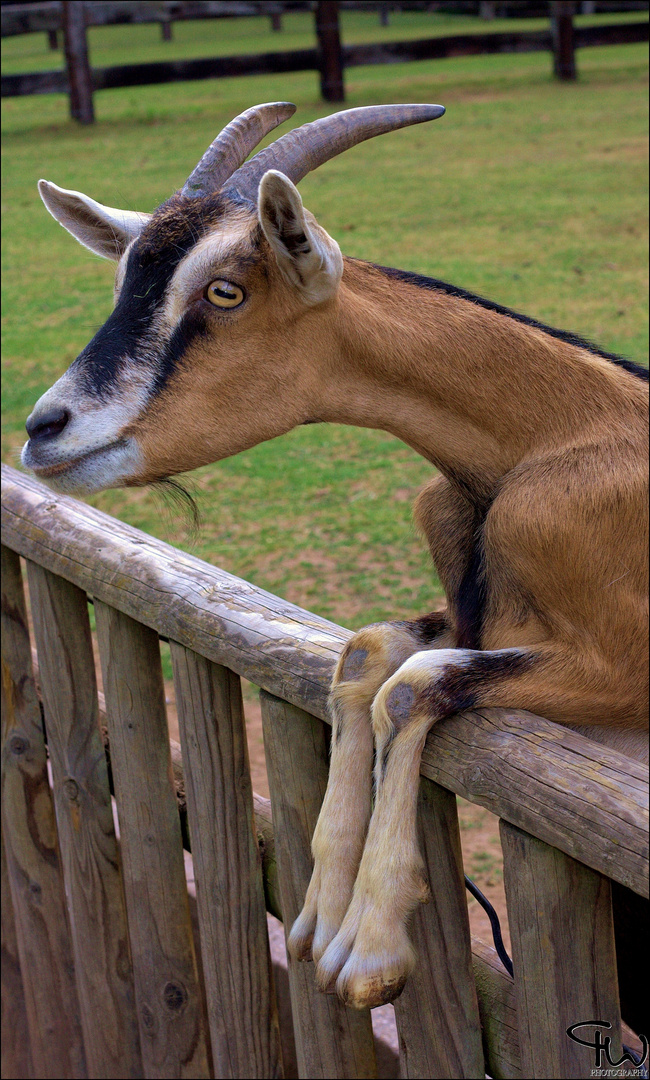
571, 523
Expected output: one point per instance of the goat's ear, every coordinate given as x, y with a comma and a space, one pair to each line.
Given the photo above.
308, 258
105, 231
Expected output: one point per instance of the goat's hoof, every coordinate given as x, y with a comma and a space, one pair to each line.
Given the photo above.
368, 991
372, 975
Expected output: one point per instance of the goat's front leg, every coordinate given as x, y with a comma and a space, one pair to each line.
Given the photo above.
368, 659
371, 956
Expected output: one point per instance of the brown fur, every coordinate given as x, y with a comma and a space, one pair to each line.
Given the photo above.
540, 508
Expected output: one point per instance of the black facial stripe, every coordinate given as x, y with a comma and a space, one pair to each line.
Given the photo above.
191, 327
152, 261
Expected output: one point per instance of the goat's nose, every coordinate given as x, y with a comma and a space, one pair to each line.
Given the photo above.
47, 426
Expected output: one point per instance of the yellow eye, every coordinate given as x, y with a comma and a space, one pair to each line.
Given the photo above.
224, 294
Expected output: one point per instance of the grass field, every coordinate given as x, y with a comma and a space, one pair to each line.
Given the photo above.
528, 191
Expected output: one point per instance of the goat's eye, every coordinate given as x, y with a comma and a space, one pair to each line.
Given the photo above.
224, 294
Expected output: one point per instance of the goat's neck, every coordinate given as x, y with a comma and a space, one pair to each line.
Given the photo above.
473, 391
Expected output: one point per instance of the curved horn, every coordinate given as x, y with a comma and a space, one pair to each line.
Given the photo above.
305, 148
231, 148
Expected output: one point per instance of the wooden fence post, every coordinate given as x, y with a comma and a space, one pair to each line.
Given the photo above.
33, 859
167, 989
296, 750
52, 40
230, 892
563, 954
329, 45
89, 849
73, 18
16, 1062
564, 60
275, 15
437, 1012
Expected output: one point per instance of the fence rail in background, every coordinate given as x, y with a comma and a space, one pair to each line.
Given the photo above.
108, 973
329, 58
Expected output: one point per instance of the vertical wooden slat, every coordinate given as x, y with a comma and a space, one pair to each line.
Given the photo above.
437, 1012
230, 892
170, 1015
16, 1060
498, 1012
330, 56
331, 1040
33, 860
89, 848
562, 932
75, 46
564, 58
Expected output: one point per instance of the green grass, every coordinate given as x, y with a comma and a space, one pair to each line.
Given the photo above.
528, 191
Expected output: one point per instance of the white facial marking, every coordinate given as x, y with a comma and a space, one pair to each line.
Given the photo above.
92, 452
94, 427
215, 255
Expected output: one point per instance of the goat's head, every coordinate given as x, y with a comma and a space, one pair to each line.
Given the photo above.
222, 298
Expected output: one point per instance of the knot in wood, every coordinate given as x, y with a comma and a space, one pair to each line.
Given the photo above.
18, 745
148, 1019
175, 996
71, 788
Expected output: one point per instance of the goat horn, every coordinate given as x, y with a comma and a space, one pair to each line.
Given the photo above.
231, 148
305, 148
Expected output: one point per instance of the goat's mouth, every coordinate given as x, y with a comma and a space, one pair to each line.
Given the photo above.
110, 465
45, 469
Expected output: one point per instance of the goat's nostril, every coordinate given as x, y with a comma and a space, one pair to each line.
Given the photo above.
48, 425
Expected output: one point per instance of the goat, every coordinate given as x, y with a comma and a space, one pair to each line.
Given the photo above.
236, 318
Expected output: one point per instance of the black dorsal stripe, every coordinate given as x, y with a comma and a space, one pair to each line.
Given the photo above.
570, 338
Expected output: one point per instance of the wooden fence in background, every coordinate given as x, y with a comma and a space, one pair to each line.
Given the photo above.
103, 973
329, 58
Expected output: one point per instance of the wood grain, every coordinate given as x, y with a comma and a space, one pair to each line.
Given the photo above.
437, 1012
588, 801
331, 1040
562, 931
16, 1059
230, 894
89, 849
498, 1012
169, 1008
494, 987
544, 778
33, 859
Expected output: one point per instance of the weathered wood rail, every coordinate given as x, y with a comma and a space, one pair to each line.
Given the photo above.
103, 969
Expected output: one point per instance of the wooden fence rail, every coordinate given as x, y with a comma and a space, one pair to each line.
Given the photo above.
329, 58
104, 965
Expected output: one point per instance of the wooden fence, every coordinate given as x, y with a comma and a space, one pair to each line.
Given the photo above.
329, 58
104, 976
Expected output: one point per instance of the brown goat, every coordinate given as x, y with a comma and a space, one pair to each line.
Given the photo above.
237, 319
